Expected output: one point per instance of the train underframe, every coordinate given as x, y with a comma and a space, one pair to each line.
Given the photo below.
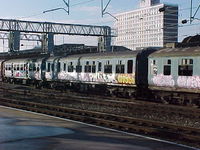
176, 96
158, 94
91, 88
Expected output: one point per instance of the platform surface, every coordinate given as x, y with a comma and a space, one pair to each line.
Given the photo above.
28, 131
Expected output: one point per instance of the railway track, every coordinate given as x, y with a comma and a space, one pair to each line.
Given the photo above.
79, 108
123, 107
128, 124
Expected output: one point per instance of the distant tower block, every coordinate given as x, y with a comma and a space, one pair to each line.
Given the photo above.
148, 3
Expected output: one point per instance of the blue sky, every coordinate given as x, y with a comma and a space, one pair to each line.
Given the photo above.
87, 12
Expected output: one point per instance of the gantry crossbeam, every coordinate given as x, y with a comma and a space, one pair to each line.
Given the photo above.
55, 28
24, 36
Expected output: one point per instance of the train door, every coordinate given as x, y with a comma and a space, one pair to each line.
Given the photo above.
43, 68
26, 69
12, 69
130, 66
31, 69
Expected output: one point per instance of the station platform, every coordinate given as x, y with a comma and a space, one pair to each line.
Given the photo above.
22, 130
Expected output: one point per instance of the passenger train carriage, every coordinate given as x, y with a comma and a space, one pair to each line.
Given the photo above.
171, 75
111, 71
26, 70
174, 74
84, 70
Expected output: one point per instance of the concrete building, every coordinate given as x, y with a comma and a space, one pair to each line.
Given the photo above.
153, 25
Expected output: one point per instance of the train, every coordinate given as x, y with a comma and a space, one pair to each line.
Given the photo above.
168, 75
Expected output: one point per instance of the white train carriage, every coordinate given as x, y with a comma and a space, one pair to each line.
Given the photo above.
102, 68
52, 68
1, 69
16, 69
27, 70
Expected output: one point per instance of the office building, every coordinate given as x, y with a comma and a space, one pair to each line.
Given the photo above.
152, 25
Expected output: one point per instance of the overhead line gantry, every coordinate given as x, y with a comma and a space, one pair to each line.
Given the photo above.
49, 29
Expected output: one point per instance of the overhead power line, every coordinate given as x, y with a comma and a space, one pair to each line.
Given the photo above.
103, 9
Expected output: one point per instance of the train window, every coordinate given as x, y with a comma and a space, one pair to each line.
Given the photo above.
38, 68
93, 69
87, 68
167, 70
34, 67
30, 67
191, 61
58, 67
64, 67
24, 66
99, 66
70, 68
17, 67
108, 69
119, 68
186, 67
130, 66
169, 62
21, 67
107, 62
185, 70
9, 67
154, 62
78, 68
52, 67
48, 67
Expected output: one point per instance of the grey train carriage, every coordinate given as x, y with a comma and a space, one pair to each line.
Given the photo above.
174, 75
110, 72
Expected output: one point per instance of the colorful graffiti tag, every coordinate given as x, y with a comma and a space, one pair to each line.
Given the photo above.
189, 81
37, 75
19, 74
98, 77
125, 78
162, 80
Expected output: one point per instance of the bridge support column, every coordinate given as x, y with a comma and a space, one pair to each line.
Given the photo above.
14, 41
48, 43
104, 42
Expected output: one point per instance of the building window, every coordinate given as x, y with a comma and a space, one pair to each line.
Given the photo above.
185, 67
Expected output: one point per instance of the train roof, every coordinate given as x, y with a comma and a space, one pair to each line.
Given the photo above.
105, 55
175, 52
23, 60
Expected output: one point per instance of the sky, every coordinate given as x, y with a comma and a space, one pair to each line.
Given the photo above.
86, 12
